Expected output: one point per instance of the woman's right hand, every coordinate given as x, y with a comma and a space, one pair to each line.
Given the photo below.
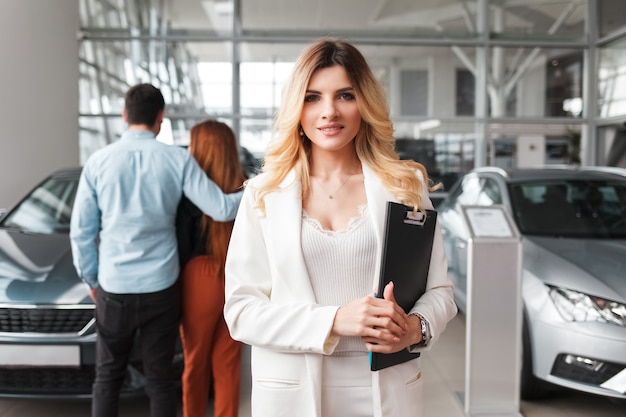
372, 318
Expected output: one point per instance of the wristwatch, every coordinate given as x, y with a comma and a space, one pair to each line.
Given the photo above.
426, 334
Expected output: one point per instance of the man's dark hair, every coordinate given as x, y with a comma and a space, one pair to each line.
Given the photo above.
143, 103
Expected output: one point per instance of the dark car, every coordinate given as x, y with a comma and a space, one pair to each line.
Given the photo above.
47, 325
573, 227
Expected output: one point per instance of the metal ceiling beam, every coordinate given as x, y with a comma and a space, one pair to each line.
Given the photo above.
107, 35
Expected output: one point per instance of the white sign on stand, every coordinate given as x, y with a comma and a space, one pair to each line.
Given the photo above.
488, 222
494, 314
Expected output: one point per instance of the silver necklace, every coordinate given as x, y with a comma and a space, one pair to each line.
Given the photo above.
332, 195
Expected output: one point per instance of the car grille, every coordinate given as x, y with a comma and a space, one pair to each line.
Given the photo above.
52, 381
586, 376
48, 320
56, 382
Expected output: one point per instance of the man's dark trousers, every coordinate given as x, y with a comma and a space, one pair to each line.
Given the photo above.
121, 319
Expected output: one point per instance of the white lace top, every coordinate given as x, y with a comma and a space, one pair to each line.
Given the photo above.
341, 265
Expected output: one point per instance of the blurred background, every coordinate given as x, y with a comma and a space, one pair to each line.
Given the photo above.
508, 83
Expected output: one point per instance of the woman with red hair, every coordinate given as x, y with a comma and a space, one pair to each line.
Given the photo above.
207, 346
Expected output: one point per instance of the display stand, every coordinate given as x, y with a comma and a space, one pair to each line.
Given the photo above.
494, 314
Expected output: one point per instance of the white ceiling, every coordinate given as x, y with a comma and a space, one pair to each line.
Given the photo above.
375, 17
346, 15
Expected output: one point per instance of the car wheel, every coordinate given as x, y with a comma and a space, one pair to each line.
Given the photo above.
531, 387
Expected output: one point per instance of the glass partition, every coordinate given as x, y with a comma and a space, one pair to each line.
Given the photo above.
539, 19
432, 18
216, 81
515, 145
612, 79
564, 83
611, 16
612, 145
228, 60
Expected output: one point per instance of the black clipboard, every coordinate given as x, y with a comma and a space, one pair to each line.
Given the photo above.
407, 246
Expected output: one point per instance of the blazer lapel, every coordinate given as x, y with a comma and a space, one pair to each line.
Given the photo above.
377, 197
284, 231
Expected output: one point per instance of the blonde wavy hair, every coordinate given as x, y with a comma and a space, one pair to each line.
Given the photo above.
375, 143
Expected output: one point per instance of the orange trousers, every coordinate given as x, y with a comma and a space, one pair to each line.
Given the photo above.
207, 346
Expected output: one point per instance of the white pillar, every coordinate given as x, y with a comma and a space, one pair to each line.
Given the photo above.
39, 85
395, 91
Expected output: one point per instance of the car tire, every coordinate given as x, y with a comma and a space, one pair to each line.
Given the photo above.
531, 387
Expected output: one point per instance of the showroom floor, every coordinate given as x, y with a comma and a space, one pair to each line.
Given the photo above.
444, 372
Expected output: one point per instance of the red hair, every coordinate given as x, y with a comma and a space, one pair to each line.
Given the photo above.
214, 146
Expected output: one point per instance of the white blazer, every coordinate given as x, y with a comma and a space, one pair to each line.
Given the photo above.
270, 305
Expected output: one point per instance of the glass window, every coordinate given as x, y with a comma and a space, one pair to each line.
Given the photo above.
612, 145
383, 19
216, 83
96, 132
515, 145
496, 105
469, 190
465, 93
47, 209
490, 193
612, 79
261, 87
414, 92
255, 134
564, 85
611, 16
571, 208
525, 82
430, 88
453, 144
546, 19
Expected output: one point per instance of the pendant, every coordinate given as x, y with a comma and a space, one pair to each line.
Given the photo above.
330, 196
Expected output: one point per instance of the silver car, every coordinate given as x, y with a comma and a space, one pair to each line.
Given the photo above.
573, 228
47, 324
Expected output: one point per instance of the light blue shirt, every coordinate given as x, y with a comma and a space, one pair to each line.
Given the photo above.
122, 230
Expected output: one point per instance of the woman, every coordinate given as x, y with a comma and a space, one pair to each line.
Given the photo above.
207, 345
304, 255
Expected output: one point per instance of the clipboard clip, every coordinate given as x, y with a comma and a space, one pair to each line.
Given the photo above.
418, 218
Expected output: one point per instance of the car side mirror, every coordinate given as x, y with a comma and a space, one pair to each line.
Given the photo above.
2, 212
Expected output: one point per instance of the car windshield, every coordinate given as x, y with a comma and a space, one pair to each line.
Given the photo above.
47, 209
570, 208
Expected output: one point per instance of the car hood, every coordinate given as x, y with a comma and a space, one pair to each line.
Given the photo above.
37, 269
592, 266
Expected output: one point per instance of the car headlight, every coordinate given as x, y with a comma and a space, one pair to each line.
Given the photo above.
577, 306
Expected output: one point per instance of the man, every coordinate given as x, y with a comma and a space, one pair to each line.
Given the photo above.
124, 246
